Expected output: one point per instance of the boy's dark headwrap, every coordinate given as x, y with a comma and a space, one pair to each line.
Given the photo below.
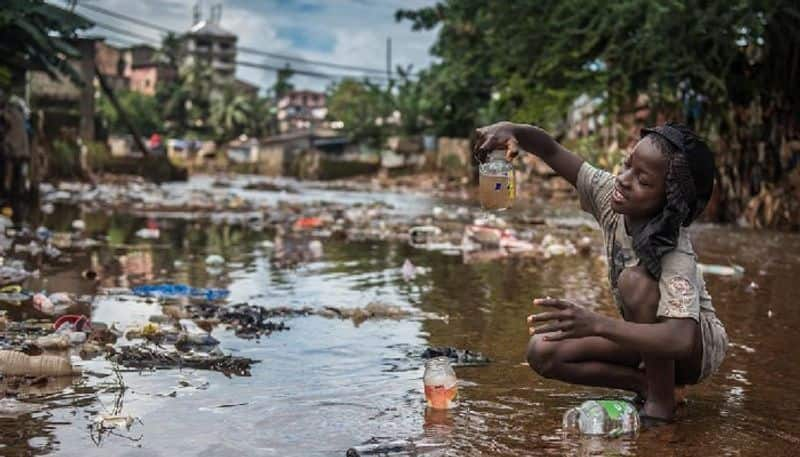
689, 183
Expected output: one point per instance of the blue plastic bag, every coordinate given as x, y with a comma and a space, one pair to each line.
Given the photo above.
179, 290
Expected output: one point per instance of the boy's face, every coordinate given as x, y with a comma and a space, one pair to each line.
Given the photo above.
640, 188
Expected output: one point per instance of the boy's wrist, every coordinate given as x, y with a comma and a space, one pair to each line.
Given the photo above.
603, 326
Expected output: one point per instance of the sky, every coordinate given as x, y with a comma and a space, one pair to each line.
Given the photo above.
347, 32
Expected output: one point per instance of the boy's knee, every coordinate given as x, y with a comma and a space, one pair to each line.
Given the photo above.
542, 356
639, 293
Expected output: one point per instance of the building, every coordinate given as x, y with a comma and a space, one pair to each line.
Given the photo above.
110, 62
207, 41
144, 70
144, 78
301, 110
243, 87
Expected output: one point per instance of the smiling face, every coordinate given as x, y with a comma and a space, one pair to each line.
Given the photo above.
640, 189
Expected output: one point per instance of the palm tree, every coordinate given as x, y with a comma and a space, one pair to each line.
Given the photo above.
230, 114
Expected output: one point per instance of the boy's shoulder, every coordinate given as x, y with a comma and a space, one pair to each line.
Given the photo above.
682, 258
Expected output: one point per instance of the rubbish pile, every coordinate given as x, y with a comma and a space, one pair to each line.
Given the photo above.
147, 357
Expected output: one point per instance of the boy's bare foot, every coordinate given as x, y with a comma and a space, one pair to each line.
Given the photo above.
680, 396
664, 411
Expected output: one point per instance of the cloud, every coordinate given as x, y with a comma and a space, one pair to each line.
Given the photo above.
307, 38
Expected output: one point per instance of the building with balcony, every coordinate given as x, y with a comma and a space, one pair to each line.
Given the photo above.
208, 42
301, 110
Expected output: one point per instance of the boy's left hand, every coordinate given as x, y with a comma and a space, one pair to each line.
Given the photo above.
573, 321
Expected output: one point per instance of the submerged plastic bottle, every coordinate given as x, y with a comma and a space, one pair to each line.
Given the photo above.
602, 417
441, 384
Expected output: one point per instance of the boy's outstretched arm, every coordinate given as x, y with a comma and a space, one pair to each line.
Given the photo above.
512, 137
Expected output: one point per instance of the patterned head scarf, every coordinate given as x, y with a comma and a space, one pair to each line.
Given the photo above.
689, 183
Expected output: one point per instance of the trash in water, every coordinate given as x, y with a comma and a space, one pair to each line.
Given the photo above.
410, 271
148, 233
43, 304
11, 408
78, 225
610, 418
74, 321
375, 446
53, 341
192, 335
12, 275
179, 290
110, 422
423, 235
306, 223
721, 270
441, 384
155, 358
315, 248
250, 321
554, 247
15, 363
215, 260
457, 357
374, 310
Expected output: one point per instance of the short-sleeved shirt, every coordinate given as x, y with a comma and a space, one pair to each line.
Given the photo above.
683, 290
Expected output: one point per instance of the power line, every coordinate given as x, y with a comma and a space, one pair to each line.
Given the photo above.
243, 49
298, 71
123, 17
304, 72
125, 32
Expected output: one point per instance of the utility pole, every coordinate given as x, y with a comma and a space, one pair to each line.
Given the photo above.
389, 58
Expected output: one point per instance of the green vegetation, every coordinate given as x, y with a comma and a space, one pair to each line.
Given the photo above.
362, 107
32, 37
143, 112
728, 68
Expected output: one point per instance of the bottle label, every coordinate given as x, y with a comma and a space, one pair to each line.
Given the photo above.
441, 397
614, 408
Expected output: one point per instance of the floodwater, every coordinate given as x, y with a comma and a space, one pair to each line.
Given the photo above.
326, 385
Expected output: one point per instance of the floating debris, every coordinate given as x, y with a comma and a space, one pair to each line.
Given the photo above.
179, 290
375, 446
11, 408
722, 270
458, 357
15, 363
106, 422
153, 358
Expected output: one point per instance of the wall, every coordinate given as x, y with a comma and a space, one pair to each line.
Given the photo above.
144, 79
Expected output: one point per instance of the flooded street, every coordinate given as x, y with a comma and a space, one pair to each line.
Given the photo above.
325, 385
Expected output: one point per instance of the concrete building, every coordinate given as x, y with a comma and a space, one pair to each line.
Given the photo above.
207, 41
110, 61
301, 110
144, 71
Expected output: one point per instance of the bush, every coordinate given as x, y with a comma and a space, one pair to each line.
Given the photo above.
64, 160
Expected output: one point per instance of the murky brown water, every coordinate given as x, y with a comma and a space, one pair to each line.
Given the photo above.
326, 385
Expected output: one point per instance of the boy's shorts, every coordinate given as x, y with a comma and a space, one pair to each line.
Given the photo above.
715, 344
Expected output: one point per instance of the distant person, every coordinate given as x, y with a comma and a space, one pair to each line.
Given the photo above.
669, 335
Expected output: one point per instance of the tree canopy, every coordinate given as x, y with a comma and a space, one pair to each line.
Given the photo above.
33, 36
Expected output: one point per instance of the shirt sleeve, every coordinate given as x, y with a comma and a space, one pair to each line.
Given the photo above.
594, 190
678, 285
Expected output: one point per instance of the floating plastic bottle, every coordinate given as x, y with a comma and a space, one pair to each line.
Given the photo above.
441, 384
602, 418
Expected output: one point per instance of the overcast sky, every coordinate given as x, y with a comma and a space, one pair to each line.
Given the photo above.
350, 32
